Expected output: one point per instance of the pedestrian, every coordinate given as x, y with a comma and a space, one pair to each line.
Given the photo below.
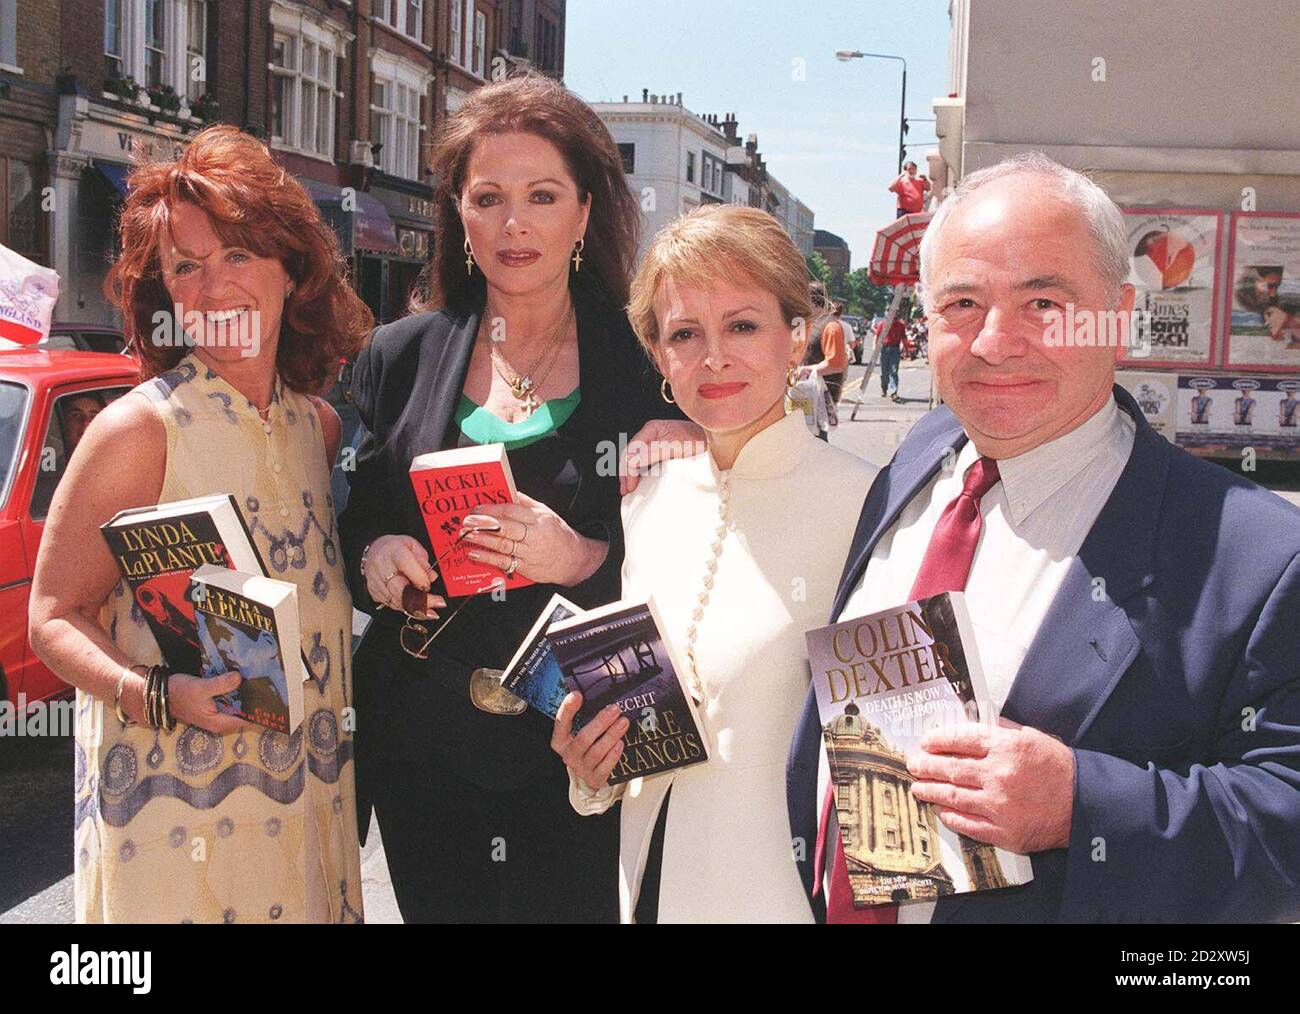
891, 352
522, 341
222, 228
827, 354
910, 190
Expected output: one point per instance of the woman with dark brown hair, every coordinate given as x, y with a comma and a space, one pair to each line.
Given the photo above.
237, 309
523, 341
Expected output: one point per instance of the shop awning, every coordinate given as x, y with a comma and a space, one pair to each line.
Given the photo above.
114, 175
362, 225
895, 259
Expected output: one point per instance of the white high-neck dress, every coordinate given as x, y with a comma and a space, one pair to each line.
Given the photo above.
792, 503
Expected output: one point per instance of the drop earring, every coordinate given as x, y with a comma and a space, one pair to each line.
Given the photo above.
577, 254
469, 258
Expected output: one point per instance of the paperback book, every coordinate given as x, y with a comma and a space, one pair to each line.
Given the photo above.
617, 654
882, 681
158, 549
449, 486
533, 674
249, 624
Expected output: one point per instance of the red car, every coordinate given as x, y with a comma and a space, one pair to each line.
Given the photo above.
47, 398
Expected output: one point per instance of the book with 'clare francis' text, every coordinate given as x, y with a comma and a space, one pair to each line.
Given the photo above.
249, 624
617, 654
882, 681
449, 486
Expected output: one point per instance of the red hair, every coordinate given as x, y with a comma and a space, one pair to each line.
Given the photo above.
254, 204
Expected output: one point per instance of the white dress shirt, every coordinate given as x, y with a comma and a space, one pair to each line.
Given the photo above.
1035, 521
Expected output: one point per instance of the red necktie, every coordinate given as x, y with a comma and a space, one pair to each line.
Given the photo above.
946, 567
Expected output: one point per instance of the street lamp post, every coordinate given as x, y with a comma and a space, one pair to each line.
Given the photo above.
854, 54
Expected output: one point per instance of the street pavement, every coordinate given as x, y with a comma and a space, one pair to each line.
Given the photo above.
36, 774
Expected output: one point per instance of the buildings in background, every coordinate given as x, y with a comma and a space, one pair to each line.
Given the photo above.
834, 251
676, 160
346, 92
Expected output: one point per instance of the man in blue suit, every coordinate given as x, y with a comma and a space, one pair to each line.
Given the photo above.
1136, 610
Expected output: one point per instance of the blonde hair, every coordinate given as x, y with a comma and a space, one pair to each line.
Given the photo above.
713, 242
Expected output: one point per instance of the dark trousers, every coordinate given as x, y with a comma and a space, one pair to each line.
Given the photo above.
460, 854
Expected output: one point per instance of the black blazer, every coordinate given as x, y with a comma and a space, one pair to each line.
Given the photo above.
406, 386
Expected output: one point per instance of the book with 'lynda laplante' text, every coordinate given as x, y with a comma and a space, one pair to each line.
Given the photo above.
249, 624
882, 681
157, 549
617, 654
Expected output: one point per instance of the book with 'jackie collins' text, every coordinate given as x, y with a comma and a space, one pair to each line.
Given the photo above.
450, 486
158, 548
617, 654
533, 674
882, 681
249, 624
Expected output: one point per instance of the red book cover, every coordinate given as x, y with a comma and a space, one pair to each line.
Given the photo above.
450, 486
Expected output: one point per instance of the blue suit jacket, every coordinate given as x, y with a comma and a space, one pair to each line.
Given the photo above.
1179, 692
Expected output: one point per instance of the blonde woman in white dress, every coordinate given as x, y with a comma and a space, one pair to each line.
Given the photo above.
742, 547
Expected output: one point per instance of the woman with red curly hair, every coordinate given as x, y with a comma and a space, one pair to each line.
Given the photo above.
236, 306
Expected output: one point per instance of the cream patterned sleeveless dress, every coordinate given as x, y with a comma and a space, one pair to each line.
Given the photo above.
254, 826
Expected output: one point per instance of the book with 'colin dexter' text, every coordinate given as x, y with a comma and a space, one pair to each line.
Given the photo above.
882, 681
617, 655
449, 486
158, 548
249, 624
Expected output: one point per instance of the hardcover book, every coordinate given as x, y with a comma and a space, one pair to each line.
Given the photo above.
617, 654
533, 674
449, 486
158, 548
249, 624
882, 681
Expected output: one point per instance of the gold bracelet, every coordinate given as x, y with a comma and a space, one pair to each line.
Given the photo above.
117, 698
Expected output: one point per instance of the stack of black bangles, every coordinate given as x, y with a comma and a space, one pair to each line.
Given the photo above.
157, 706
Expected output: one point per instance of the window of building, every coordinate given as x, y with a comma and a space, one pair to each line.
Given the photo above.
480, 43
284, 61
628, 154
196, 50
395, 117
302, 94
9, 32
456, 45
114, 38
155, 43
415, 19
690, 167
891, 838
20, 220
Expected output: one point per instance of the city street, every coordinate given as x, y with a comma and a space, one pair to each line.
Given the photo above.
36, 774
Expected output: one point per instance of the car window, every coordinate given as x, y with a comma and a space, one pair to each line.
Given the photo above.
13, 411
69, 418
103, 341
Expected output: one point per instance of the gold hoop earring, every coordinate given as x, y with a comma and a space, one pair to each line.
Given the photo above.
469, 258
577, 254
791, 377
663, 391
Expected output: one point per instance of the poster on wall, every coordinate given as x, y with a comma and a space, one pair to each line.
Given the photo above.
1156, 395
1173, 265
1263, 320
1264, 411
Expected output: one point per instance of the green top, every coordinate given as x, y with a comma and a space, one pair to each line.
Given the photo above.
482, 427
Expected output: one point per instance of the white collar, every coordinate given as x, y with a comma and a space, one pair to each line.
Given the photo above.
1029, 479
772, 451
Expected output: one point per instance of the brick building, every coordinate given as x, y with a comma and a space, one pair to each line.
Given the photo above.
346, 92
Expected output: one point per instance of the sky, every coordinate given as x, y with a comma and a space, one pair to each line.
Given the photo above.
832, 137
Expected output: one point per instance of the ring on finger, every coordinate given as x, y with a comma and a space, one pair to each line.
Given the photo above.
514, 566
514, 544
525, 538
